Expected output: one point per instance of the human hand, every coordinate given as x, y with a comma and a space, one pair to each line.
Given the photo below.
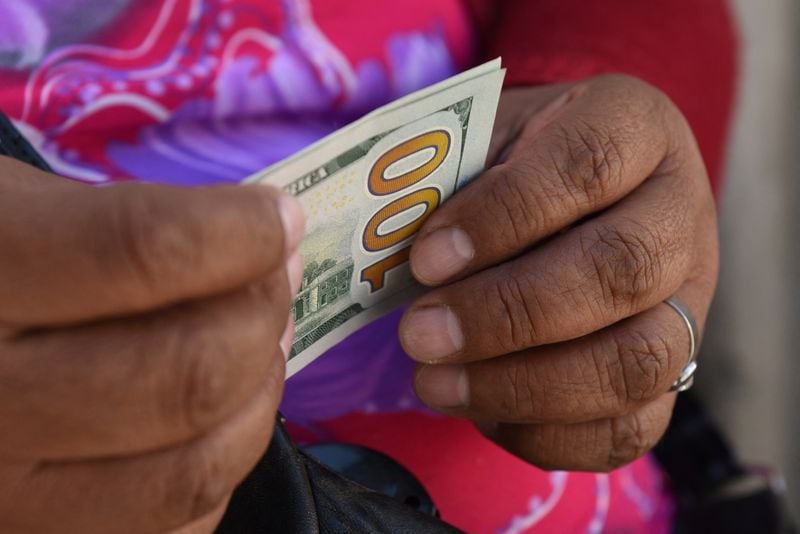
140, 367
552, 268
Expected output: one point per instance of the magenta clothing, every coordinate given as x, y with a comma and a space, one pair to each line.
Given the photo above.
198, 92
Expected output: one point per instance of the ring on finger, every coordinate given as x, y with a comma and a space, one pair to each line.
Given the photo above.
686, 378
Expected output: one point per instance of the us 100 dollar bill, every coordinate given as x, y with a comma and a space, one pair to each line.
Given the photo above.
367, 189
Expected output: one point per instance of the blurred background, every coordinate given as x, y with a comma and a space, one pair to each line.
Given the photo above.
750, 371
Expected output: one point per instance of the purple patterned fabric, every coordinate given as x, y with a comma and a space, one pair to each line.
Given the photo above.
232, 113
197, 92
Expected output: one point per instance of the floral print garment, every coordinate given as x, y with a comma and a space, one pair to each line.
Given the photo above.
198, 92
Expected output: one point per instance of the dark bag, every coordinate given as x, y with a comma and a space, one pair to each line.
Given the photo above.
714, 490
291, 492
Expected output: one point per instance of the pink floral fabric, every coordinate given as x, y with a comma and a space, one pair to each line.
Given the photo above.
199, 92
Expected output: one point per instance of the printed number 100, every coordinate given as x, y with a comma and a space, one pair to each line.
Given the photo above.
372, 239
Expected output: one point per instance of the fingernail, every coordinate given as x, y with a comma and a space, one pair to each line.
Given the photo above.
441, 255
294, 269
287, 338
430, 334
443, 386
293, 220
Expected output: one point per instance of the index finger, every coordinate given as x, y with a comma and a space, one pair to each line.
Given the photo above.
78, 253
583, 152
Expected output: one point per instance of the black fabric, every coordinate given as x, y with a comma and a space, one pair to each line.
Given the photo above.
288, 491
376, 471
715, 492
14, 145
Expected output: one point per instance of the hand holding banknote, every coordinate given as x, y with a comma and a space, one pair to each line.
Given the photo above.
140, 367
547, 324
143, 328
544, 324
367, 189
551, 266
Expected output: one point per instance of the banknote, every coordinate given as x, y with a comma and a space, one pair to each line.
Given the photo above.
367, 189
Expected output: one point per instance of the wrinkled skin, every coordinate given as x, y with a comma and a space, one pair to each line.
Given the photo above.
141, 362
140, 366
546, 325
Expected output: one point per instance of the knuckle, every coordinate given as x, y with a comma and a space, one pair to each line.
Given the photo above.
205, 360
630, 439
591, 162
519, 310
522, 399
592, 165
154, 243
633, 95
630, 119
641, 368
217, 355
513, 204
624, 266
191, 485
205, 479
